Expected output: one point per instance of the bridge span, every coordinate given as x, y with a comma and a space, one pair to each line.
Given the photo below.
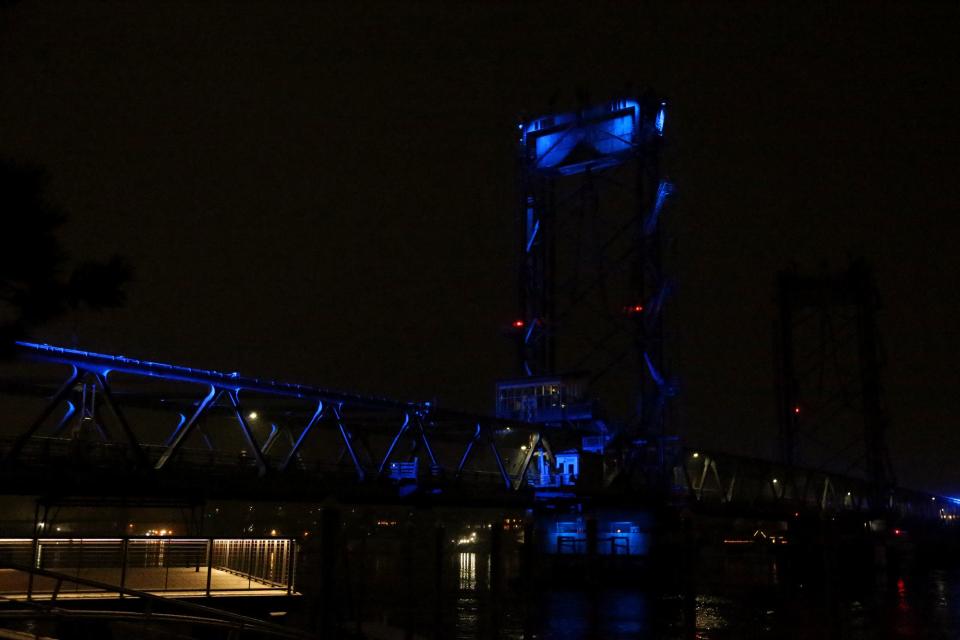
119, 426
421, 490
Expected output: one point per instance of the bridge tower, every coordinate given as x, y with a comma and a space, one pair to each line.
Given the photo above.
829, 357
591, 281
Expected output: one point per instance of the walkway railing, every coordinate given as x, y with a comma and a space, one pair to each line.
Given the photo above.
192, 613
170, 566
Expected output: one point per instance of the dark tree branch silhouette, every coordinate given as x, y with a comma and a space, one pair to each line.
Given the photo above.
37, 283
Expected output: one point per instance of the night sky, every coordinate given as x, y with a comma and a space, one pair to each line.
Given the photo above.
326, 192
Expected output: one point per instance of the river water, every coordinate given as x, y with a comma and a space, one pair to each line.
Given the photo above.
921, 604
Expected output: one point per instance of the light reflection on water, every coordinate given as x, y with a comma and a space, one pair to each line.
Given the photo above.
925, 605
468, 571
709, 616
918, 607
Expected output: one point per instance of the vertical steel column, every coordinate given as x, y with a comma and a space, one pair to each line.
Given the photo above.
124, 551
439, 540
592, 541
210, 552
879, 469
34, 550
537, 262
291, 559
329, 547
496, 556
648, 281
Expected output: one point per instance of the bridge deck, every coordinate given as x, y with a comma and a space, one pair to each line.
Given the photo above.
175, 582
169, 567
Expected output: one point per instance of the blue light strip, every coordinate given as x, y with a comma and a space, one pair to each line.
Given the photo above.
533, 323
104, 363
533, 235
653, 371
664, 191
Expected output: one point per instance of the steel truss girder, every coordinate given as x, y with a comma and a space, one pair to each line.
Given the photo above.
393, 443
338, 417
59, 396
262, 466
525, 463
483, 434
743, 483
421, 421
416, 422
183, 430
139, 455
317, 415
79, 375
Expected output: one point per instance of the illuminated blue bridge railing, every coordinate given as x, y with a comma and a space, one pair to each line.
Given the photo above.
105, 364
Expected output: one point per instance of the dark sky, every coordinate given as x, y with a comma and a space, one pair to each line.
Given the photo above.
325, 192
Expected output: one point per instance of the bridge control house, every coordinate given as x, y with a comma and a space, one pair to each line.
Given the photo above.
560, 402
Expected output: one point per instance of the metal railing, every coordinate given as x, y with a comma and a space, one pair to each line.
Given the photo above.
193, 613
181, 566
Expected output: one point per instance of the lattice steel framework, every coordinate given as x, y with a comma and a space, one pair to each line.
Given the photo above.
831, 410
591, 280
367, 439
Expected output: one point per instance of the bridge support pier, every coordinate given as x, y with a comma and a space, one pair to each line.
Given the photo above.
496, 557
592, 543
329, 552
439, 540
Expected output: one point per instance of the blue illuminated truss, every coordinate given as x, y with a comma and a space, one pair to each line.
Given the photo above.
92, 370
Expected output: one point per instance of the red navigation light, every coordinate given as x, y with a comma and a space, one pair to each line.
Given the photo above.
897, 532
796, 410
634, 308
518, 324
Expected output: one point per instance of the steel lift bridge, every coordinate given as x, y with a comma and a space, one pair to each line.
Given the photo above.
119, 427
592, 299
